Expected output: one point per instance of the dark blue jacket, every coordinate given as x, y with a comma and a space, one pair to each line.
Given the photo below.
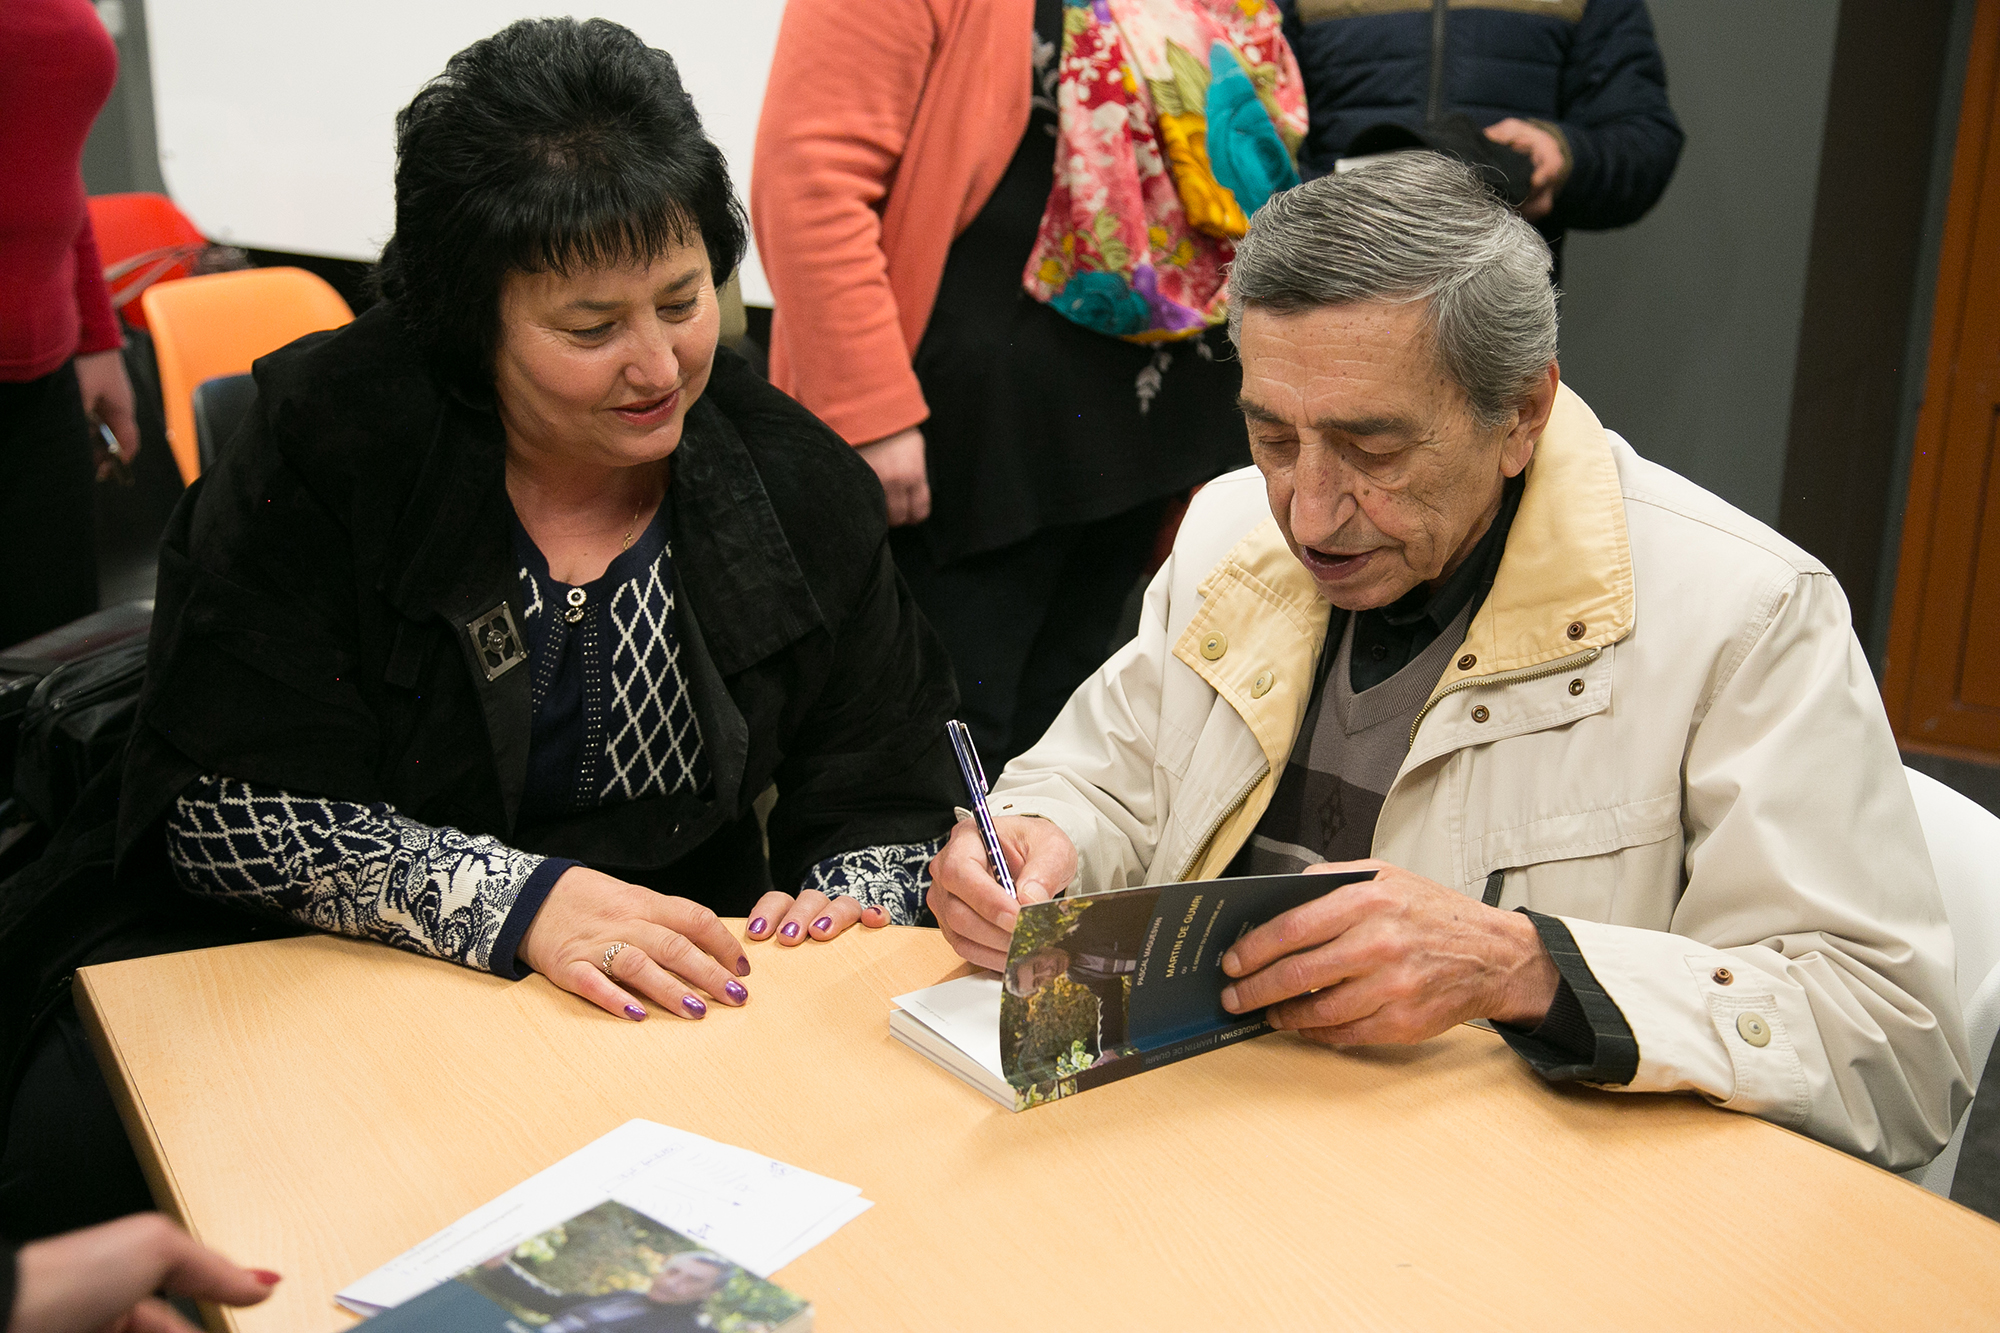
1589, 67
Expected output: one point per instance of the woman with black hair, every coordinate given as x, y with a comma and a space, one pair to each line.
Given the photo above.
549, 587
486, 633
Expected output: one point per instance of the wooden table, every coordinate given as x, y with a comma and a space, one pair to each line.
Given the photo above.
318, 1105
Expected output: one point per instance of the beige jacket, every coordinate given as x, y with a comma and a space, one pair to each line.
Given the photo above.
1661, 729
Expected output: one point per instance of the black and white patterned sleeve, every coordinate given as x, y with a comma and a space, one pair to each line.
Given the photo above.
896, 876
359, 869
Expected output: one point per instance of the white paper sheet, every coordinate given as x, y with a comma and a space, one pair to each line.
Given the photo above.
759, 1212
966, 1013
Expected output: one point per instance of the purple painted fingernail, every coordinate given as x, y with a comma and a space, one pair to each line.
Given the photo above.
823, 925
759, 925
734, 990
634, 1012
742, 967
790, 930
694, 1006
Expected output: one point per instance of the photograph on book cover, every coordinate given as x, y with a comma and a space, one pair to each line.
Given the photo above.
1107, 985
1066, 995
613, 1266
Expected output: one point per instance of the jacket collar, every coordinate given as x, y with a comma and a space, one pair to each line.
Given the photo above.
1568, 563
1565, 581
730, 551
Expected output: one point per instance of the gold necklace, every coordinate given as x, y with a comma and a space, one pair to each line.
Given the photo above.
632, 530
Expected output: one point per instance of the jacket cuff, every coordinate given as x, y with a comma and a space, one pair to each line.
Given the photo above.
871, 394
1585, 1036
502, 961
1078, 826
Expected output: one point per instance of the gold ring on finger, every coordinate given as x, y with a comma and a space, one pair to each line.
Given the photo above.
610, 954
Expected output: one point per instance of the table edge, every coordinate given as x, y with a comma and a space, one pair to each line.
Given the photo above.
139, 1131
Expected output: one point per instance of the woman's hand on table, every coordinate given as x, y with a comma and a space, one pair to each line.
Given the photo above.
674, 952
974, 912
810, 916
104, 1279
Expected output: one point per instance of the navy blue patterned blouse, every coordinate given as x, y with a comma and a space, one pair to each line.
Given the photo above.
612, 722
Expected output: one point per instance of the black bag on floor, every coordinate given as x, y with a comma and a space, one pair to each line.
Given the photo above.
25, 669
76, 723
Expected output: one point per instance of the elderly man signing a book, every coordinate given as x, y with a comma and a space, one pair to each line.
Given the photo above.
1609, 743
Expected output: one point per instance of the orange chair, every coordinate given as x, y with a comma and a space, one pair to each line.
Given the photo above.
141, 239
218, 324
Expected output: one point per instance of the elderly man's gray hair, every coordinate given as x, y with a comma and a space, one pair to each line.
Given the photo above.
1416, 227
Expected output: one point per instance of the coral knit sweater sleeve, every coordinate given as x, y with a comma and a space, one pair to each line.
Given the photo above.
57, 65
884, 131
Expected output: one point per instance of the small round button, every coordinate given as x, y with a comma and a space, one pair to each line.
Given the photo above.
577, 597
1214, 646
1479, 713
1576, 687
1262, 685
1723, 976
1467, 662
1575, 630
1753, 1029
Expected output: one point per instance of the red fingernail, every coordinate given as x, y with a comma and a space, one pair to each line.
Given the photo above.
266, 1276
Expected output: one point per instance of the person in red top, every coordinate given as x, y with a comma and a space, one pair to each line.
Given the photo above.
59, 337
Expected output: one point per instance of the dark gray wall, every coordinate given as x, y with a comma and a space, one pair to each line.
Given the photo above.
122, 153
1682, 331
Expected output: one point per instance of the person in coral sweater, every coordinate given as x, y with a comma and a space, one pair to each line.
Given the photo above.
60, 370
997, 272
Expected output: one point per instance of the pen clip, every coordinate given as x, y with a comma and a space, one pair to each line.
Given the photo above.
968, 757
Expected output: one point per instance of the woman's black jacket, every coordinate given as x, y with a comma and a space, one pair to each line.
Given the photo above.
318, 598
310, 632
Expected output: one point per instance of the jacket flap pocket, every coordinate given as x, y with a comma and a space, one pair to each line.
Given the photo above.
1576, 833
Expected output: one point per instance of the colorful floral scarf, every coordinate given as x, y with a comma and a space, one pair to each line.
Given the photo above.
1177, 119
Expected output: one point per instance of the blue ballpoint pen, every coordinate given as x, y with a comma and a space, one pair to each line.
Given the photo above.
975, 782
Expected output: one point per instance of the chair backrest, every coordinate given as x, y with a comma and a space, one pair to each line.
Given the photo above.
218, 324
1964, 841
129, 225
220, 407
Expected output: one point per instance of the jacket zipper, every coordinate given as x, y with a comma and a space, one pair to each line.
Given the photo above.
1555, 668
1215, 825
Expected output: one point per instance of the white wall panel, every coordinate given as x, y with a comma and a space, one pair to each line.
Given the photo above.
275, 121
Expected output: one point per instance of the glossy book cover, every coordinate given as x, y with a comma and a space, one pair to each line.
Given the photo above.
608, 1267
1101, 987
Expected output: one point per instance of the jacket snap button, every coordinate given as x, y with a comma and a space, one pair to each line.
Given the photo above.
1479, 713
1576, 687
1753, 1029
1723, 976
1214, 646
1262, 685
1467, 662
1575, 630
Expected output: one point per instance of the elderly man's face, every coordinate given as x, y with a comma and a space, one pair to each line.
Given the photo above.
1376, 469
